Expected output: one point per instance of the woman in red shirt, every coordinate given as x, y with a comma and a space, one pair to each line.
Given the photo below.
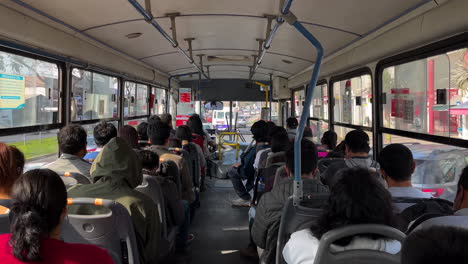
38, 209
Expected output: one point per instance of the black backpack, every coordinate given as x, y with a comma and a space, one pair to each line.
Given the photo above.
425, 209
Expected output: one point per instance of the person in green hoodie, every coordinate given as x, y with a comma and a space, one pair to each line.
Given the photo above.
115, 173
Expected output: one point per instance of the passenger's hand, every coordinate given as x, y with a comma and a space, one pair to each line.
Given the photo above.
236, 165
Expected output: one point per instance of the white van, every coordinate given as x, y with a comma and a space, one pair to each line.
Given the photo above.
220, 119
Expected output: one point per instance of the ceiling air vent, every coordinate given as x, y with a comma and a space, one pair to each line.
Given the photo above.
231, 58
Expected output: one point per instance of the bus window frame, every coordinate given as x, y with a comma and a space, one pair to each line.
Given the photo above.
148, 94
62, 86
320, 83
459, 41
166, 97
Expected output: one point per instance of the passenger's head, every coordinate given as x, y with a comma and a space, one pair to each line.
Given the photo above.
292, 123
357, 198
184, 133
196, 125
166, 118
103, 132
356, 142
39, 200
130, 135
72, 140
154, 118
329, 139
308, 132
309, 159
270, 127
142, 130
11, 167
279, 141
339, 151
435, 245
149, 159
461, 200
158, 133
175, 143
259, 131
396, 165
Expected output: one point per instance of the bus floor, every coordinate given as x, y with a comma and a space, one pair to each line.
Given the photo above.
220, 230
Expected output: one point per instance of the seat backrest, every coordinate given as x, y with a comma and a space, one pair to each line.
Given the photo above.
452, 220
194, 162
275, 158
80, 178
295, 218
152, 189
113, 231
401, 203
5, 218
278, 176
168, 168
324, 163
358, 256
263, 158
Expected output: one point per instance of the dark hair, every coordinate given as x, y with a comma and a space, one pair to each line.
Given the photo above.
175, 143
103, 133
463, 181
38, 200
357, 141
438, 244
259, 130
11, 166
158, 132
154, 118
279, 141
330, 139
308, 132
196, 126
292, 123
270, 127
184, 133
357, 198
149, 159
142, 130
130, 135
166, 118
309, 157
396, 160
338, 152
72, 139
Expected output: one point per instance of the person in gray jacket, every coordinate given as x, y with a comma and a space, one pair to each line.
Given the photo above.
268, 213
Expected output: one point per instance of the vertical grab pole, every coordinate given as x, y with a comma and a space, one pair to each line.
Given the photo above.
291, 19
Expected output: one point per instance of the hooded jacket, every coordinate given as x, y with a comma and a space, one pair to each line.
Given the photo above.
115, 173
269, 209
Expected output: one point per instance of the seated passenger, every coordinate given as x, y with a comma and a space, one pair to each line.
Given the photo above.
291, 126
349, 204
460, 205
142, 130
328, 141
11, 167
279, 143
72, 144
184, 134
37, 214
357, 155
338, 152
130, 135
116, 173
435, 245
245, 169
167, 119
308, 134
199, 136
397, 166
103, 132
261, 156
174, 143
270, 206
159, 133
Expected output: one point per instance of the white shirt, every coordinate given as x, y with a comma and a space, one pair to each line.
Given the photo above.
409, 192
303, 245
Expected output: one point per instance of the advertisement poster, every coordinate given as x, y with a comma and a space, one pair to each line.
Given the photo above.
185, 107
11, 91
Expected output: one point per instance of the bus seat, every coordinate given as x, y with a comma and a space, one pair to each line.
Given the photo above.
69, 181
324, 163
112, 231
168, 168
263, 158
5, 218
275, 157
360, 256
151, 187
297, 218
401, 203
80, 178
280, 175
452, 220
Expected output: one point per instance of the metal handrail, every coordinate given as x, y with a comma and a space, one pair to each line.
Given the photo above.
222, 143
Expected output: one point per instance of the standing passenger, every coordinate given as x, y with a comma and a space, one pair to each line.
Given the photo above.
103, 133
38, 211
116, 173
72, 144
11, 167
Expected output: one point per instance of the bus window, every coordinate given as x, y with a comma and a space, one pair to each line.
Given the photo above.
353, 101
438, 166
136, 103
318, 128
159, 101
299, 98
342, 131
319, 105
94, 95
428, 96
29, 91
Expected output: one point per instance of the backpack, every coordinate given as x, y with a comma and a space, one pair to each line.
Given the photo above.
414, 215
